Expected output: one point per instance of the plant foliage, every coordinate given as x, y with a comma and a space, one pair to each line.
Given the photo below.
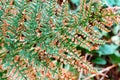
38, 38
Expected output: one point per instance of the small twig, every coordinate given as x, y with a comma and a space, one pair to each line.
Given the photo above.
102, 78
101, 72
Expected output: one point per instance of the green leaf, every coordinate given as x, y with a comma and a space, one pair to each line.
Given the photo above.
1, 74
1, 13
107, 49
76, 1
116, 29
99, 60
115, 59
111, 2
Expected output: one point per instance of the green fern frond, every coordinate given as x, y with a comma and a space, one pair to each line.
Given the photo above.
44, 34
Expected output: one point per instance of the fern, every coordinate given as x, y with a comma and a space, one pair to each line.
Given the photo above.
39, 37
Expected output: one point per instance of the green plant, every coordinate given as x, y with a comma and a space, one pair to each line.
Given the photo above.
41, 39
111, 48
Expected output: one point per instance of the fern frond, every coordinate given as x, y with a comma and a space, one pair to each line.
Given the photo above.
44, 34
